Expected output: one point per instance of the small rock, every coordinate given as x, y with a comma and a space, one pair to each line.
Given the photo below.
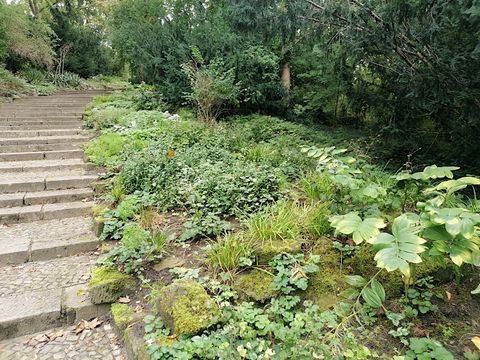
169, 263
256, 285
186, 307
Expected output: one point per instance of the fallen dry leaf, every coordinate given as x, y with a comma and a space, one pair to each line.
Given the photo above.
124, 300
449, 297
54, 334
476, 341
87, 325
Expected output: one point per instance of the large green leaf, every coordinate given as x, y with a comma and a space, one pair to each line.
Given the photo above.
374, 295
361, 230
400, 248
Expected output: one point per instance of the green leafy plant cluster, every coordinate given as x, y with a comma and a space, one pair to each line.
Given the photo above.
136, 248
287, 327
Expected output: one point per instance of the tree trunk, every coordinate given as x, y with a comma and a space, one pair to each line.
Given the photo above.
285, 76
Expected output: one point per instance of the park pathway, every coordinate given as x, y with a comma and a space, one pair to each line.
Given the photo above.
46, 237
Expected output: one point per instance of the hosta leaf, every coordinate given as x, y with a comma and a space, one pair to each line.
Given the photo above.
400, 248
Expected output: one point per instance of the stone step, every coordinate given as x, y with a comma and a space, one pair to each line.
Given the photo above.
37, 181
42, 165
39, 147
7, 134
30, 213
41, 295
19, 126
45, 197
40, 155
46, 239
46, 120
43, 140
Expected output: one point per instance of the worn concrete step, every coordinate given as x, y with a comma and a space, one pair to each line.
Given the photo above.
40, 147
46, 239
43, 140
30, 113
37, 181
24, 214
41, 295
53, 139
7, 134
63, 125
39, 117
40, 155
45, 197
47, 120
42, 165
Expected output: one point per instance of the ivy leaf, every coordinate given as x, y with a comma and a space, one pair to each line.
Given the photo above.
361, 230
401, 248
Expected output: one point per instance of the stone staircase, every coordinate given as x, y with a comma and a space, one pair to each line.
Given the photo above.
46, 235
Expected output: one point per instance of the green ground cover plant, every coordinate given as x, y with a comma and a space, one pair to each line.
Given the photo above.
342, 248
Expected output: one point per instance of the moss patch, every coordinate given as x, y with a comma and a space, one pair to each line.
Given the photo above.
255, 285
269, 249
186, 307
107, 285
325, 285
123, 315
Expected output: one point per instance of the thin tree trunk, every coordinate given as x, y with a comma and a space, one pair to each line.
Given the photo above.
285, 76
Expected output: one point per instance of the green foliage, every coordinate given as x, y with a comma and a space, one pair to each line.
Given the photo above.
136, 249
213, 87
215, 183
401, 248
106, 150
230, 252
24, 38
424, 348
361, 230
291, 271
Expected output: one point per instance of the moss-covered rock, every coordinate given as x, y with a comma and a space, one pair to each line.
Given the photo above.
269, 249
325, 285
186, 307
107, 285
255, 285
123, 315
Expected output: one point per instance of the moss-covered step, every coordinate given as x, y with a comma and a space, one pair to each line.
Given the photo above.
107, 285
